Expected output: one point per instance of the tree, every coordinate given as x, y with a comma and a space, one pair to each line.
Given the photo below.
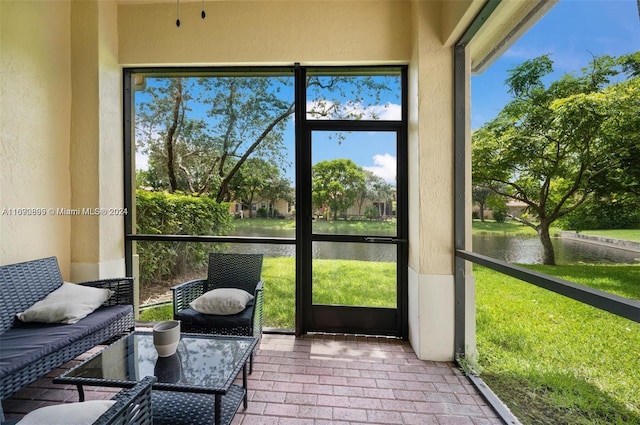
251, 180
375, 189
366, 191
246, 118
258, 178
277, 188
179, 147
336, 184
385, 192
551, 145
249, 118
480, 194
498, 206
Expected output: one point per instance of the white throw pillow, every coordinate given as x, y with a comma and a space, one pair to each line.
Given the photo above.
82, 413
67, 304
223, 301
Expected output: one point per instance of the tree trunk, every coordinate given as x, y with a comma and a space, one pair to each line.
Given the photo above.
481, 206
548, 255
171, 136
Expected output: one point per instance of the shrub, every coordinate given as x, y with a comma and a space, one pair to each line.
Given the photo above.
371, 212
161, 213
498, 206
605, 214
499, 215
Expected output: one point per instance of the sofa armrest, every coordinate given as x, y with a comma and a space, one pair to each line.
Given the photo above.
122, 288
186, 292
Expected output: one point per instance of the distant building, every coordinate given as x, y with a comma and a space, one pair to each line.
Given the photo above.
514, 208
281, 209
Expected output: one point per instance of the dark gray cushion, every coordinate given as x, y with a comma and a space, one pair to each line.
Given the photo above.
26, 343
189, 316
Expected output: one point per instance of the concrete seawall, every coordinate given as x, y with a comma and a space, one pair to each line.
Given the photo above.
615, 243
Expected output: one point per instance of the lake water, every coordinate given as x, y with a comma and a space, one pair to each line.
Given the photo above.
528, 250
523, 250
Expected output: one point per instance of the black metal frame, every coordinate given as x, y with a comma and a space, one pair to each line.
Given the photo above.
349, 319
461, 95
303, 241
621, 306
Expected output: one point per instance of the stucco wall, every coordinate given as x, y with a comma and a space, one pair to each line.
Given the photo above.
61, 135
35, 100
61, 115
431, 282
97, 241
266, 32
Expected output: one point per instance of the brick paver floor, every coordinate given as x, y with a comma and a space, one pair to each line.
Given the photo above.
325, 379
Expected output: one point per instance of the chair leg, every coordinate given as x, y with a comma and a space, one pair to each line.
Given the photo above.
251, 362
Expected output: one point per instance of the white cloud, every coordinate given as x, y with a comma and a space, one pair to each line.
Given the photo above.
385, 167
388, 111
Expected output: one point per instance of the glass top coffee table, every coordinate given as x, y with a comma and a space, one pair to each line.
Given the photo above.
195, 385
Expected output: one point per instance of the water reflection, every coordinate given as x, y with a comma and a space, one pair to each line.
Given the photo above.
324, 250
528, 250
513, 249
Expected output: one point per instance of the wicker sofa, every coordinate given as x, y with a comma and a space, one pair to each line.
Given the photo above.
28, 351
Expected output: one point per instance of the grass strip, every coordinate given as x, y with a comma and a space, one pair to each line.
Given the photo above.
623, 234
508, 228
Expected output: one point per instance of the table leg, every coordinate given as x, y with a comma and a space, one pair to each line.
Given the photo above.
80, 392
244, 385
218, 410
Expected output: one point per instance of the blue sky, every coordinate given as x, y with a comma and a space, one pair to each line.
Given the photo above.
571, 32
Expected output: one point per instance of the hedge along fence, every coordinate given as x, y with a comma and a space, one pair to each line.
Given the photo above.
162, 213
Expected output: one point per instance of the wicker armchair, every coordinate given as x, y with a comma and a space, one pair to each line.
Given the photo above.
132, 406
241, 271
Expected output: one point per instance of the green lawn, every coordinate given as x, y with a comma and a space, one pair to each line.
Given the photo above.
375, 227
553, 360
264, 223
508, 228
624, 234
335, 282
